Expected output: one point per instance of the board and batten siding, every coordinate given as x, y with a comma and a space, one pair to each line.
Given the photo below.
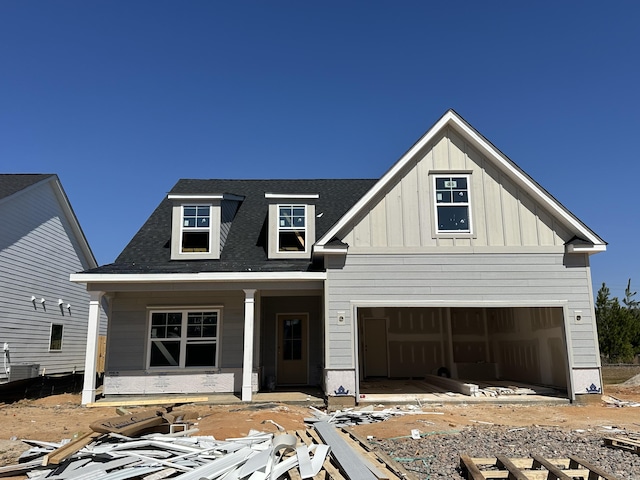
455, 280
38, 252
503, 215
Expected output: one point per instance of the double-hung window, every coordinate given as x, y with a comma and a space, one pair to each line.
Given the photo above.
184, 338
292, 228
196, 228
452, 204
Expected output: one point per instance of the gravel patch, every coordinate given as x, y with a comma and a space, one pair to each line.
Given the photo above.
437, 455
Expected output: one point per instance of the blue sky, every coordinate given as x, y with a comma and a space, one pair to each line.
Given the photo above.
123, 98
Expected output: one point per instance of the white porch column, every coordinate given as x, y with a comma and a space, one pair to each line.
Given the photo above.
91, 360
247, 363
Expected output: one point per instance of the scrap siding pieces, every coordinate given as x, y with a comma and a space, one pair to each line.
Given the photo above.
349, 462
353, 416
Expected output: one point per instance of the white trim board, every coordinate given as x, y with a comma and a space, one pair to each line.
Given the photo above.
452, 120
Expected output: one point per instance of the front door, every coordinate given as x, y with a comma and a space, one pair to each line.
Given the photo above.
292, 349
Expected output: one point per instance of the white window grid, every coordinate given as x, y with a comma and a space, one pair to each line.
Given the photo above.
437, 203
184, 340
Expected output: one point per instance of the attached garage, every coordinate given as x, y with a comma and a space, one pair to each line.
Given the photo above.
517, 344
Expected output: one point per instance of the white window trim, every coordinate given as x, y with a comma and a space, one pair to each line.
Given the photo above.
469, 204
280, 229
61, 338
184, 311
196, 228
177, 227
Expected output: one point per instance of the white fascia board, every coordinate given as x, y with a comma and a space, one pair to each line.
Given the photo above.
216, 196
196, 277
330, 250
523, 180
386, 178
450, 118
586, 248
209, 196
291, 195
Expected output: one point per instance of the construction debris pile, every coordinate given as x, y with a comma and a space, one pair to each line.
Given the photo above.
158, 444
358, 416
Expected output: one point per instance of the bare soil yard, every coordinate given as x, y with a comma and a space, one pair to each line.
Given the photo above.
59, 417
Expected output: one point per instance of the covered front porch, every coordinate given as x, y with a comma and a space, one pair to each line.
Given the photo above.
206, 339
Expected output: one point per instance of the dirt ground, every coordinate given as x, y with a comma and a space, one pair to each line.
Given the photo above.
59, 417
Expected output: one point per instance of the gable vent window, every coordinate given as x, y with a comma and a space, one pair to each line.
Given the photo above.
292, 229
196, 228
452, 204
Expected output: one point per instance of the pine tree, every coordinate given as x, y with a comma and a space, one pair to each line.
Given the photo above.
617, 325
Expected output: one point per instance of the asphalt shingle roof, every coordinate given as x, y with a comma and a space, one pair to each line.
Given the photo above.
11, 183
245, 249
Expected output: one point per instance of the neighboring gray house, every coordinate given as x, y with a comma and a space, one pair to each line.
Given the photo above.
455, 259
43, 315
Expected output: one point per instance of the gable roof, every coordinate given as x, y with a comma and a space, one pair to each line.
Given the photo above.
13, 184
245, 249
452, 120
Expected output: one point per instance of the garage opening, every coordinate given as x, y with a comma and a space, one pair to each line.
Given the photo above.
520, 345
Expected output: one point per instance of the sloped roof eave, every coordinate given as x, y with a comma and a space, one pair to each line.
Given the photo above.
452, 119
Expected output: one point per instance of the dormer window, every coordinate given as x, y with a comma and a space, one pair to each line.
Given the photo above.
292, 230
196, 228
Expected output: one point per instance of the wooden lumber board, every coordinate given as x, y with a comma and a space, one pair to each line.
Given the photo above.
65, 451
148, 401
328, 472
129, 425
452, 385
535, 468
396, 469
593, 470
470, 468
628, 444
525, 463
555, 472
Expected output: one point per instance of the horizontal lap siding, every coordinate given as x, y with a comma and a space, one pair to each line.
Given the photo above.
454, 279
128, 329
38, 252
